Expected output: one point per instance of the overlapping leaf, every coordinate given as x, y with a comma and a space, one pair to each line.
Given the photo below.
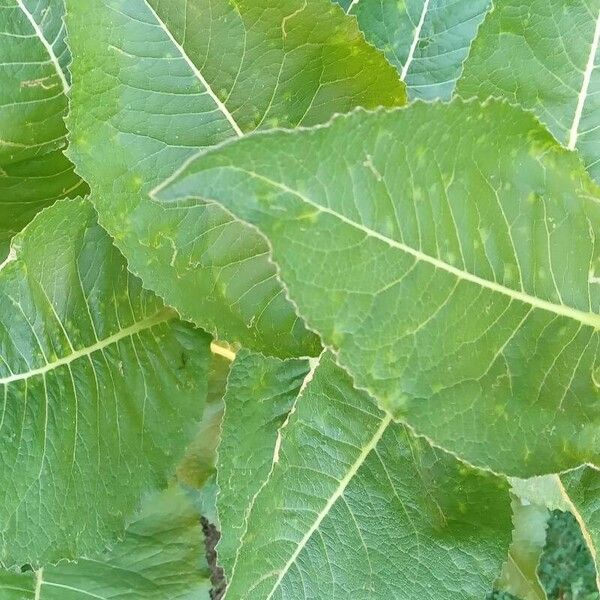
426, 40
33, 82
355, 507
100, 387
542, 55
153, 81
260, 393
456, 281
161, 556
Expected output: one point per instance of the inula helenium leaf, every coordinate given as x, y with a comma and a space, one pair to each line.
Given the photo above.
542, 55
456, 281
100, 386
356, 507
150, 86
33, 82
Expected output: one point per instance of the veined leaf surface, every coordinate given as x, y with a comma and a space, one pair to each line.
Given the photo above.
260, 393
542, 55
161, 556
356, 507
456, 281
426, 40
33, 82
150, 86
89, 365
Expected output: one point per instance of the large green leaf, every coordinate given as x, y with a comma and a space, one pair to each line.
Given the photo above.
260, 393
583, 489
161, 557
356, 507
426, 40
165, 87
33, 80
456, 281
542, 55
101, 387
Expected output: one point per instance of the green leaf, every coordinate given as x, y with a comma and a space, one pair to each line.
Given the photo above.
33, 80
356, 507
583, 489
542, 55
164, 88
90, 366
260, 393
161, 556
426, 40
455, 281
519, 575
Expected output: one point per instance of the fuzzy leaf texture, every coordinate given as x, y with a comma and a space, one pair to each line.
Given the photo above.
34, 80
356, 507
90, 363
150, 87
543, 56
426, 40
455, 281
160, 557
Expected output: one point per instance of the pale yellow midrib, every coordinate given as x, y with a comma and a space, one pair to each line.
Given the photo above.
343, 484
161, 316
583, 92
590, 319
48, 47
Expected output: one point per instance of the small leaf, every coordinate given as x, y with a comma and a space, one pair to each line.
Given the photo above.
356, 507
260, 394
583, 489
519, 575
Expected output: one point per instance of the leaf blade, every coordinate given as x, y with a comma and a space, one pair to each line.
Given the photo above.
258, 86
419, 234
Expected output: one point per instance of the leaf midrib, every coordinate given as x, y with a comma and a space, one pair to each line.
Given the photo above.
220, 105
586, 318
161, 316
339, 491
